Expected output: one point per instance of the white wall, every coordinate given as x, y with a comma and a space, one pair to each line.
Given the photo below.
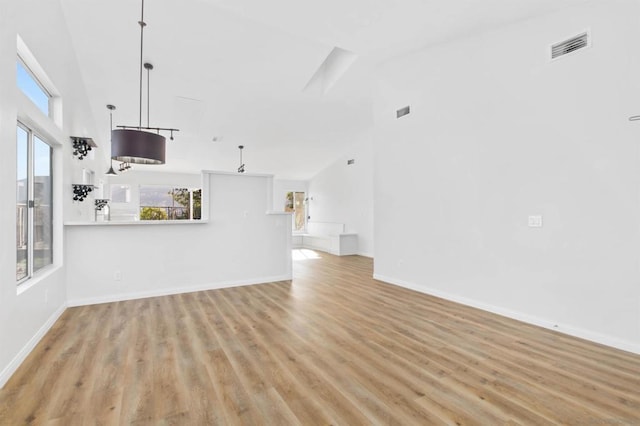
499, 132
240, 244
25, 317
344, 194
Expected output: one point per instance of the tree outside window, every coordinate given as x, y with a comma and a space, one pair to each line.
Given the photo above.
167, 203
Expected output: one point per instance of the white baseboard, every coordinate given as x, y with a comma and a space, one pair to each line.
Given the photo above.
369, 255
540, 322
177, 290
8, 371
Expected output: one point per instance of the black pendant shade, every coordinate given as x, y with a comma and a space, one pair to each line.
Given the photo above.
137, 146
111, 172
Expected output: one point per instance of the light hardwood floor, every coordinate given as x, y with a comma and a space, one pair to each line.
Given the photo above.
333, 347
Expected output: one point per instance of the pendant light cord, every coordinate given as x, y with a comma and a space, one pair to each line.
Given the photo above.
142, 25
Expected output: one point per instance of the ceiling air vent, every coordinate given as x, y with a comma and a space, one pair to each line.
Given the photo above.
403, 111
569, 46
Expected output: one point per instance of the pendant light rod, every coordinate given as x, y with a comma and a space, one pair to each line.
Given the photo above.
111, 172
157, 129
142, 25
111, 108
241, 168
140, 144
148, 67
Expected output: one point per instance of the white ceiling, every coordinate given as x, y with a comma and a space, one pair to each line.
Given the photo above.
237, 70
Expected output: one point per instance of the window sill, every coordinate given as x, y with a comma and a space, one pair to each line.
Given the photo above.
40, 276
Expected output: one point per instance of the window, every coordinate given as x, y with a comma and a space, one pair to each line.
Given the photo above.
296, 203
31, 87
168, 203
34, 204
120, 194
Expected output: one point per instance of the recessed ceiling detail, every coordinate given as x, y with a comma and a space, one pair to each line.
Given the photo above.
332, 68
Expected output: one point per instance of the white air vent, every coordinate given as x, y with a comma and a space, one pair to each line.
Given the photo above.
569, 46
403, 111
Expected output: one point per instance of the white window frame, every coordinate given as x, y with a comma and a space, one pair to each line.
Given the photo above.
31, 134
172, 187
293, 217
49, 130
50, 103
28, 60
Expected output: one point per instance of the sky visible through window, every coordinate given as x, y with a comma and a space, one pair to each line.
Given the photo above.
41, 157
32, 89
22, 154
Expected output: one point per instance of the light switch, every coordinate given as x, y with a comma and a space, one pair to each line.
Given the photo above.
535, 221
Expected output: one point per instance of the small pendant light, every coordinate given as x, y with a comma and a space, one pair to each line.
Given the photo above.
241, 168
111, 172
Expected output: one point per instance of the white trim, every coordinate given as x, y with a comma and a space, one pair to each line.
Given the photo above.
39, 276
363, 254
178, 290
8, 371
603, 339
41, 77
27, 57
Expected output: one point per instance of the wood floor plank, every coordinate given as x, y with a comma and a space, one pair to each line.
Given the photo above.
334, 346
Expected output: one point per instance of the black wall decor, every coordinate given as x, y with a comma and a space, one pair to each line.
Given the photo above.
82, 146
81, 191
100, 203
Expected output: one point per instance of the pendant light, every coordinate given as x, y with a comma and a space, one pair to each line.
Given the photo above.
111, 172
241, 168
137, 144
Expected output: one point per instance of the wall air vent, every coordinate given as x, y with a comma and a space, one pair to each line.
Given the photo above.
403, 111
571, 45
350, 162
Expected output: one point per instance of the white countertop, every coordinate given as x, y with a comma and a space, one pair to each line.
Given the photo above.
138, 222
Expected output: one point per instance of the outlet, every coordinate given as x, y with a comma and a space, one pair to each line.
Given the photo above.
117, 276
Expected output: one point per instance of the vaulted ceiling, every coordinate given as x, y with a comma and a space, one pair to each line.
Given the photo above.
241, 70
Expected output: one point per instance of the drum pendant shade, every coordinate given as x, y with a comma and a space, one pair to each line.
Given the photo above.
137, 146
